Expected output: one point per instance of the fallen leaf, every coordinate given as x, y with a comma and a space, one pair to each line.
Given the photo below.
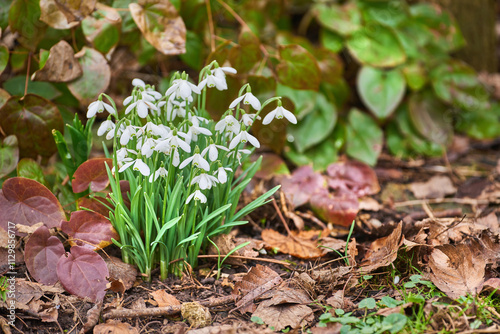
302, 184
284, 315
331, 328
492, 284
53, 16
161, 25
294, 244
115, 327
289, 296
61, 66
226, 244
437, 187
490, 222
256, 282
92, 317
330, 275
119, 270
163, 298
196, 314
76, 10
339, 301
25, 292
353, 176
338, 209
20, 228
383, 251
457, 270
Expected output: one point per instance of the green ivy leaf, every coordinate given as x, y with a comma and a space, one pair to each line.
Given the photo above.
480, 124
15, 86
316, 126
364, 138
394, 322
389, 13
303, 100
194, 55
344, 20
376, 46
431, 117
381, 91
320, 156
298, 68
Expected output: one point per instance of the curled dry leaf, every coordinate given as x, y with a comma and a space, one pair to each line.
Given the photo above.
76, 10
92, 173
53, 16
41, 253
161, 25
437, 187
302, 244
383, 251
115, 327
27, 202
92, 317
123, 272
61, 66
226, 243
457, 270
163, 298
196, 314
256, 282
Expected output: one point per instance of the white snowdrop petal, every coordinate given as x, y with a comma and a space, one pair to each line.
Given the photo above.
204, 164
109, 108
228, 69
289, 116
130, 107
127, 165
128, 100
235, 141
185, 162
269, 117
212, 153
142, 109
252, 100
185, 147
138, 82
252, 140
236, 101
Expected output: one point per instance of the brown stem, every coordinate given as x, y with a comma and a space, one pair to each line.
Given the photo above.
210, 25
27, 74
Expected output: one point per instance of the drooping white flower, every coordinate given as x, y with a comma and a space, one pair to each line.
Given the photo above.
213, 154
197, 160
230, 123
213, 81
195, 129
198, 196
248, 98
175, 109
147, 148
244, 137
176, 159
98, 107
239, 154
222, 174
159, 172
127, 134
220, 72
142, 107
182, 89
138, 82
248, 119
138, 165
204, 181
106, 126
279, 113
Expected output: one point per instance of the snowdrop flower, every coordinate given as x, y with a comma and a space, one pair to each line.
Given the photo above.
244, 137
197, 160
212, 81
230, 123
198, 196
138, 83
159, 172
98, 107
139, 165
221, 174
213, 154
279, 113
106, 126
122, 153
127, 133
204, 181
142, 107
220, 72
239, 154
175, 109
147, 148
248, 98
248, 119
182, 89
195, 129
176, 158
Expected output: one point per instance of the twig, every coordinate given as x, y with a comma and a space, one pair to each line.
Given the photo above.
210, 25
27, 74
468, 201
245, 258
163, 311
311, 217
282, 218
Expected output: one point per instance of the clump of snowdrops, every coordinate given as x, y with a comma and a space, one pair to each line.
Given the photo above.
180, 165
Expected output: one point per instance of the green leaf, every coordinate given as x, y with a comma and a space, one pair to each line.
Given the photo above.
368, 303
415, 75
30, 169
194, 55
431, 117
102, 28
344, 20
95, 78
364, 138
24, 18
4, 57
316, 126
389, 13
15, 86
456, 83
331, 41
480, 124
304, 101
31, 119
415, 38
247, 53
376, 46
9, 155
394, 322
298, 68
381, 91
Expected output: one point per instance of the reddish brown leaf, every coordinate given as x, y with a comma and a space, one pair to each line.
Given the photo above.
383, 251
93, 228
258, 280
302, 184
27, 202
161, 25
338, 209
41, 254
457, 270
272, 165
164, 299
295, 245
92, 172
61, 66
353, 176
96, 204
83, 273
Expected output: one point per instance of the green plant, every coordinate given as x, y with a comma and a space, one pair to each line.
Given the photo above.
180, 166
221, 261
3, 288
345, 256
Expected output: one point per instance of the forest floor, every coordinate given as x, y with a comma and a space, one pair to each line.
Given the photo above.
422, 258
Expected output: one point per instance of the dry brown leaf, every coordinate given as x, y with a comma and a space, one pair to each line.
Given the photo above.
161, 25
290, 296
490, 222
331, 328
226, 243
390, 310
107, 16
437, 187
121, 271
4, 238
76, 10
383, 251
115, 327
61, 66
284, 315
4, 326
330, 275
92, 317
47, 311
457, 270
256, 282
164, 299
302, 244
338, 300
196, 314
53, 16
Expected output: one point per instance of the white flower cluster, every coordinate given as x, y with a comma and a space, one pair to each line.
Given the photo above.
160, 135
